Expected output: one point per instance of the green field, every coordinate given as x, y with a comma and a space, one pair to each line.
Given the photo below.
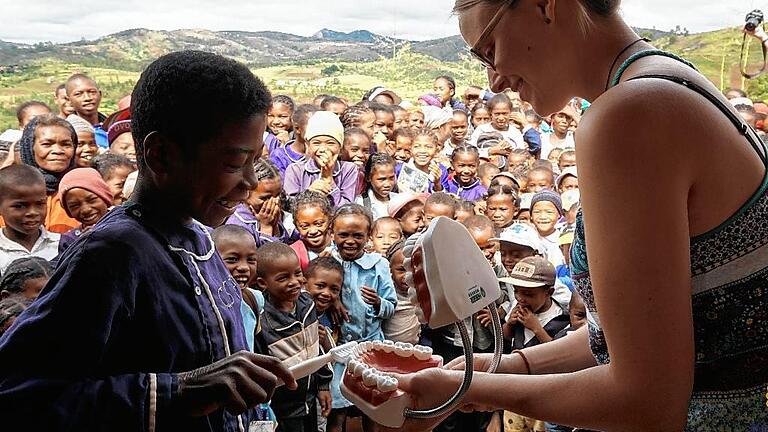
411, 74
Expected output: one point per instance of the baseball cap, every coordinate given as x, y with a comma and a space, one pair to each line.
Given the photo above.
396, 203
570, 171
522, 235
532, 272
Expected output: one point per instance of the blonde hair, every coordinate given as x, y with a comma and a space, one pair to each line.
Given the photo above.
602, 8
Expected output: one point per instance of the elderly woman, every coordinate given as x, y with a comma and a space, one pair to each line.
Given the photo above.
48, 144
672, 266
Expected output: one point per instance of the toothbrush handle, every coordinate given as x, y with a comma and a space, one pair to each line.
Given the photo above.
310, 366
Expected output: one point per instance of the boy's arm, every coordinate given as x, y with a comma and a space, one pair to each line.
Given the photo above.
386, 290
346, 182
291, 183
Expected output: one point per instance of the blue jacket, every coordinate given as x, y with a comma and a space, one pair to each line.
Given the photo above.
123, 313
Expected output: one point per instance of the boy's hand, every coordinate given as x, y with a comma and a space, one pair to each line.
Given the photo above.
325, 339
529, 319
371, 297
324, 397
283, 137
484, 317
235, 383
267, 215
435, 173
322, 186
391, 148
480, 207
380, 141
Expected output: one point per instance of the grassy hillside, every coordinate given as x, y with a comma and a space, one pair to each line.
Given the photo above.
716, 54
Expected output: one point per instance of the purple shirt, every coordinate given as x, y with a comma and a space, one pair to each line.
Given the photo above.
283, 156
299, 176
244, 218
69, 237
473, 192
271, 142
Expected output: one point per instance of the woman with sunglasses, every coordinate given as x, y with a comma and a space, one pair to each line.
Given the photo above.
676, 276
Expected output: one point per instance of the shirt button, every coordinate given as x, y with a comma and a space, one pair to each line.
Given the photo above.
136, 213
198, 291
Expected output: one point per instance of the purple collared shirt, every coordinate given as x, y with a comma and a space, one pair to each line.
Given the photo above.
244, 218
473, 192
283, 156
299, 176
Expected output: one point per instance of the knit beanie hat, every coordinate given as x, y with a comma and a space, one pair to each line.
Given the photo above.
324, 123
117, 124
79, 124
84, 178
548, 195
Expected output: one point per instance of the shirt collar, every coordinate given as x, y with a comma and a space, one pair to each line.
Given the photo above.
244, 214
367, 261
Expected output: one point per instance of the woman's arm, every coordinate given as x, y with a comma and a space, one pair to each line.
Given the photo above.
638, 247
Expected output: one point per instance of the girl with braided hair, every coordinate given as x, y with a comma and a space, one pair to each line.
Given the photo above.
25, 277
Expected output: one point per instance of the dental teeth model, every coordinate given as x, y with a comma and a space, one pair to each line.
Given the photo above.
449, 280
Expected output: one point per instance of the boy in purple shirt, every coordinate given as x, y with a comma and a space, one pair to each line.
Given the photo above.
142, 315
465, 160
322, 171
293, 151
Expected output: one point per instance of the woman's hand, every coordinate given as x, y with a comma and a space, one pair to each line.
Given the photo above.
758, 33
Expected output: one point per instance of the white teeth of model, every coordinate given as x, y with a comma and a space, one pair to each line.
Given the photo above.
407, 263
370, 377
377, 345
403, 349
351, 365
388, 346
422, 352
366, 346
359, 369
386, 384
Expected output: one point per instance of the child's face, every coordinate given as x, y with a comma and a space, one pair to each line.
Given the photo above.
462, 214
433, 210
239, 255
424, 150
465, 168
279, 118
397, 270
443, 90
483, 240
569, 183
538, 181
402, 119
577, 312
116, 181
490, 173
385, 123
512, 253
368, 123
385, 234
382, 180
266, 189
124, 145
561, 123
480, 117
312, 224
85, 206
323, 146
53, 148
516, 159
545, 216
459, 126
524, 216
283, 279
32, 287
533, 299
357, 149
412, 219
350, 233
86, 149
336, 108
554, 156
403, 147
567, 159
417, 119
23, 209
501, 210
500, 116
324, 285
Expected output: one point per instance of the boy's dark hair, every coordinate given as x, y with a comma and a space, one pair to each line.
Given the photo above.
499, 99
331, 100
23, 269
353, 209
461, 112
738, 91
171, 85
465, 205
302, 113
231, 232
397, 108
478, 223
379, 107
310, 198
395, 248
15, 175
385, 219
745, 109
426, 132
107, 163
351, 131
484, 167
403, 131
77, 77
269, 253
26, 105
568, 152
60, 87
442, 198
326, 263
478, 106
540, 168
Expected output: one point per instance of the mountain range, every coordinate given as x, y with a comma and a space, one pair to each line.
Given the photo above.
132, 49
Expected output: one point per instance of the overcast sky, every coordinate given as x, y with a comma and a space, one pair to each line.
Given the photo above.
63, 21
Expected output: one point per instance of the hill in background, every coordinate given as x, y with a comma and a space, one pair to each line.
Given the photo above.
345, 64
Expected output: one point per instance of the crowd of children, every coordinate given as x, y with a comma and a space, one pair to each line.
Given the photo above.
316, 249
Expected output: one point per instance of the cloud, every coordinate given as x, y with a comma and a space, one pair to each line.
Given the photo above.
53, 20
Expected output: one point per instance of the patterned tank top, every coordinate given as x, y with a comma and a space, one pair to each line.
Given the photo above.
729, 273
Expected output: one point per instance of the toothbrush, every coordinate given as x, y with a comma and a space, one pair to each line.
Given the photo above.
339, 354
